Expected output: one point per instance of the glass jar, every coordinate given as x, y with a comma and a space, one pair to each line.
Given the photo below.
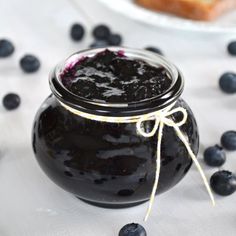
110, 164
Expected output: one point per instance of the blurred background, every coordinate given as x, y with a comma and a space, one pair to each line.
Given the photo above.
32, 205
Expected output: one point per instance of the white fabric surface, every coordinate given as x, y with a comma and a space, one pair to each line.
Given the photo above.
30, 204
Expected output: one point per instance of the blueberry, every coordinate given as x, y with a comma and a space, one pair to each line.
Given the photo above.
101, 32
6, 48
77, 32
11, 101
154, 49
214, 156
99, 44
115, 40
133, 230
223, 182
228, 140
29, 63
232, 48
228, 82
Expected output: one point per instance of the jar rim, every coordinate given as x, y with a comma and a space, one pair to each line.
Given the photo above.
118, 109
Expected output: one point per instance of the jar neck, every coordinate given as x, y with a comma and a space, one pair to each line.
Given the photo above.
118, 109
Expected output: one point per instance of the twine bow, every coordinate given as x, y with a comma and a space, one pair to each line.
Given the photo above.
161, 118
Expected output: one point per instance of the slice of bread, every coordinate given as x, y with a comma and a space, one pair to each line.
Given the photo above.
193, 9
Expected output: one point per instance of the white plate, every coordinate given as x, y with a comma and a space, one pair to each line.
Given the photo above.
225, 24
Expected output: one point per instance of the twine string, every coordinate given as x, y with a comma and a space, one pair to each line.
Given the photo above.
162, 119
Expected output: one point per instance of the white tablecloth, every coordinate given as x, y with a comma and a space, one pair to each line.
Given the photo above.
30, 204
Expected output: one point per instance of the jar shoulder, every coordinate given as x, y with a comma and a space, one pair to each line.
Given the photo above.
54, 120
52, 106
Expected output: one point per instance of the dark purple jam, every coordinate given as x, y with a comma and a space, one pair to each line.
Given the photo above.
113, 77
109, 164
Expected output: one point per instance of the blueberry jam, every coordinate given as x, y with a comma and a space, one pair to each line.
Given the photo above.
104, 163
112, 77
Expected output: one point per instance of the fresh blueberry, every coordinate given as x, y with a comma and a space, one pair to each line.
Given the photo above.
115, 40
99, 44
228, 140
232, 48
29, 63
154, 49
6, 48
228, 82
223, 182
214, 156
11, 101
101, 32
77, 32
133, 230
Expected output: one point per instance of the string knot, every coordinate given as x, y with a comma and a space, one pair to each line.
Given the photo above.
162, 116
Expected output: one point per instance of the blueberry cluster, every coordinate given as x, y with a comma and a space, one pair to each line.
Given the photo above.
28, 63
227, 81
222, 182
102, 35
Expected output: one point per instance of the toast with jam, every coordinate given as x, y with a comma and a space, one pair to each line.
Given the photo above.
204, 10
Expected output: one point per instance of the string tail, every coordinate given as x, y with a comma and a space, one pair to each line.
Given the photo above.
158, 168
193, 157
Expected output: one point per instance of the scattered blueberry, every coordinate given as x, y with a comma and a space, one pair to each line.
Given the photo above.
154, 49
228, 140
6, 48
11, 101
115, 40
214, 156
77, 32
99, 44
101, 32
133, 230
228, 82
223, 182
29, 63
232, 48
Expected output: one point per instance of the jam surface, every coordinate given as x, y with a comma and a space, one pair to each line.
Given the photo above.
114, 78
